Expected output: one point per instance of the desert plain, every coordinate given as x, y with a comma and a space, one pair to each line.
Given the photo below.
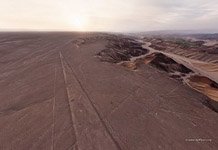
106, 91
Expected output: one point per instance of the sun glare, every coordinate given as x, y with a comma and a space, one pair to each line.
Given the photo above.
79, 23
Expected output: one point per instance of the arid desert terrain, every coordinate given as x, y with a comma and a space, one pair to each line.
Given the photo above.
102, 91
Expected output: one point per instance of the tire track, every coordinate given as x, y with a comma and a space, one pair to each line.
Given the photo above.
68, 100
90, 101
53, 108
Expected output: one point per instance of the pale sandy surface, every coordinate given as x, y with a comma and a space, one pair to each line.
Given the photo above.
205, 68
199, 68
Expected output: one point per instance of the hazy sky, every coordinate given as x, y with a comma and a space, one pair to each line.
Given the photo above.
108, 15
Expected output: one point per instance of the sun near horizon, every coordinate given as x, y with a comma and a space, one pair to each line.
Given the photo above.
108, 15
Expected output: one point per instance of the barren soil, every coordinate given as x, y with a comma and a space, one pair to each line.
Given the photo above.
63, 91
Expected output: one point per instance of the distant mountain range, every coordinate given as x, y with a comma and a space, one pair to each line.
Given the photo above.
176, 32
198, 34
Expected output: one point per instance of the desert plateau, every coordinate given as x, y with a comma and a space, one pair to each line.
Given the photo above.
108, 91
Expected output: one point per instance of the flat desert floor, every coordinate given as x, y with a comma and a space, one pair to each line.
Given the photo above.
75, 91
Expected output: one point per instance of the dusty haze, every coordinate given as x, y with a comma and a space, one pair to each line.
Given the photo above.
108, 15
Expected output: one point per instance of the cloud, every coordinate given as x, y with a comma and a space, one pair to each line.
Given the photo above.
110, 15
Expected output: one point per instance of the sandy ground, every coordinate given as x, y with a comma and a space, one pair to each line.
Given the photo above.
57, 94
200, 68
